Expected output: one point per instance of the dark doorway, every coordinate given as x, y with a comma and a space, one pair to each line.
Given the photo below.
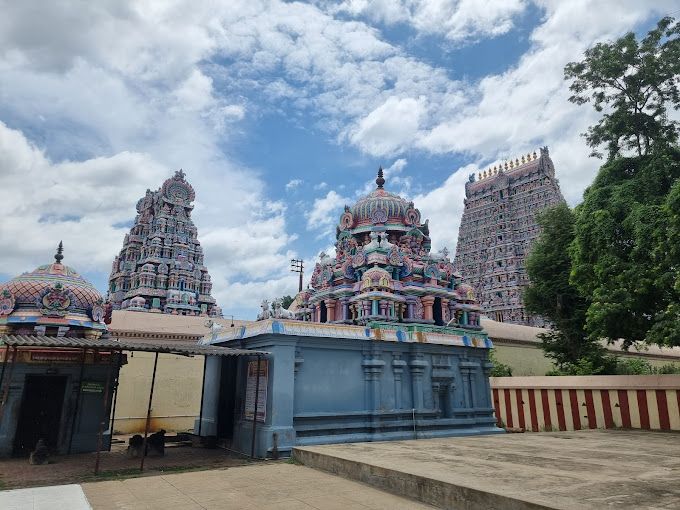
437, 312
227, 404
40, 414
323, 313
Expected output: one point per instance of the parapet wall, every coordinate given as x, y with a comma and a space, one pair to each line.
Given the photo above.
650, 402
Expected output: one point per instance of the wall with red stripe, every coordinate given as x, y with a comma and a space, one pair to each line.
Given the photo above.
539, 404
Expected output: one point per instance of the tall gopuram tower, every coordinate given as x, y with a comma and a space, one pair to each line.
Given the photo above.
160, 268
498, 229
383, 271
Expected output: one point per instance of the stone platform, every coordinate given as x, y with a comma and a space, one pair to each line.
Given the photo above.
592, 469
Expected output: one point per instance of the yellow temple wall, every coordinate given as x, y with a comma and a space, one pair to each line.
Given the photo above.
176, 398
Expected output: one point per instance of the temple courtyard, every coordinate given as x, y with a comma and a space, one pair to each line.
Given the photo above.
593, 469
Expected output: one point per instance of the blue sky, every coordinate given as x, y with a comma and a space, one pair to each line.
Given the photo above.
279, 113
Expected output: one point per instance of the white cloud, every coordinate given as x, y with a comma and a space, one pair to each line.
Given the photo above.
443, 206
390, 127
325, 212
457, 20
321, 186
293, 183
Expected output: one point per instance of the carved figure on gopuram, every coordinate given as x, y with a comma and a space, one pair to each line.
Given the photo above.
160, 267
384, 271
498, 229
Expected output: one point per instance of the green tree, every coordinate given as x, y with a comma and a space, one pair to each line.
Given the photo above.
552, 295
622, 259
633, 83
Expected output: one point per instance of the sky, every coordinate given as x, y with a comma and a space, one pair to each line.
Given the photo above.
280, 114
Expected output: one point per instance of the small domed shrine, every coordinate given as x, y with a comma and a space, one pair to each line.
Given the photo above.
51, 300
384, 271
161, 268
58, 364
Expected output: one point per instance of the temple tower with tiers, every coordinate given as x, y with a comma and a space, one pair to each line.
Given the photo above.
384, 272
161, 267
498, 229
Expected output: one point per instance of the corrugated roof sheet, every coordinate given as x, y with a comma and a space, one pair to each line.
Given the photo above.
84, 343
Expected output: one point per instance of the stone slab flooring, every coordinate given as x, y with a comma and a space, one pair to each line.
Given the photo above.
594, 469
60, 497
270, 486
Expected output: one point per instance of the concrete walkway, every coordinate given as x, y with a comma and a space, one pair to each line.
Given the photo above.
592, 469
59, 497
270, 486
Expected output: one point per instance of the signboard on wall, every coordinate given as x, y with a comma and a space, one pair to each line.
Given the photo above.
92, 387
262, 390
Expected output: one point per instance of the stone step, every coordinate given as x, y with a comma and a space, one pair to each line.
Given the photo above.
432, 491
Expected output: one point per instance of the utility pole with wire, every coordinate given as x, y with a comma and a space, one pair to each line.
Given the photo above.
296, 266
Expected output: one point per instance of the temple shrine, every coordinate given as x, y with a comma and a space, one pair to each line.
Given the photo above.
498, 229
385, 344
58, 367
160, 267
384, 271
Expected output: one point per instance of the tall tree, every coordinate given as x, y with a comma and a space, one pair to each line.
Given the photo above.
551, 294
621, 256
633, 83
622, 261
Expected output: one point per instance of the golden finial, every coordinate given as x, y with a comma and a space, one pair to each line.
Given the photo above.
535, 156
485, 174
479, 176
516, 162
523, 160
506, 165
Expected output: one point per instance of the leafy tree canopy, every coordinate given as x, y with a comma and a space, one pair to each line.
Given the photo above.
625, 256
633, 83
552, 295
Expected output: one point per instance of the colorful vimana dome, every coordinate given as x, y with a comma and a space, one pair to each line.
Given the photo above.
53, 299
384, 271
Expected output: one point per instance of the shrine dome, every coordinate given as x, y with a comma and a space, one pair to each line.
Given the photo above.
52, 294
380, 206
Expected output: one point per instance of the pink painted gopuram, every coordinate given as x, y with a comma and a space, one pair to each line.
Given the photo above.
384, 271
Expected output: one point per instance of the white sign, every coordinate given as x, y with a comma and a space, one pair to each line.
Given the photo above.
261, 393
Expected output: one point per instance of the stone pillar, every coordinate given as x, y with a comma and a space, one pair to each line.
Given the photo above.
467, 368
374, 307
445, 311
410, 304
452, 310
330, 309
383, 307
427, 301
373, 367
398, 366
418, 366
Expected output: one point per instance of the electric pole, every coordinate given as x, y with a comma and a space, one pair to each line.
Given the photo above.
297, 267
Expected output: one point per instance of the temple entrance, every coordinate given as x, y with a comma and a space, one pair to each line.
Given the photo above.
40, 415
227, 405
323, 313
437, 312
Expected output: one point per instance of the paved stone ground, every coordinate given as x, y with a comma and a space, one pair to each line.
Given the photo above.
584, 469
15, 473
270, 486
60, 497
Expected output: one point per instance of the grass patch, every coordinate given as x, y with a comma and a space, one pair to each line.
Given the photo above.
293, 460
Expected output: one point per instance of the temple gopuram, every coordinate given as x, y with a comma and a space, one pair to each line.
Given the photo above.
498, 229
384, 271
160, 267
